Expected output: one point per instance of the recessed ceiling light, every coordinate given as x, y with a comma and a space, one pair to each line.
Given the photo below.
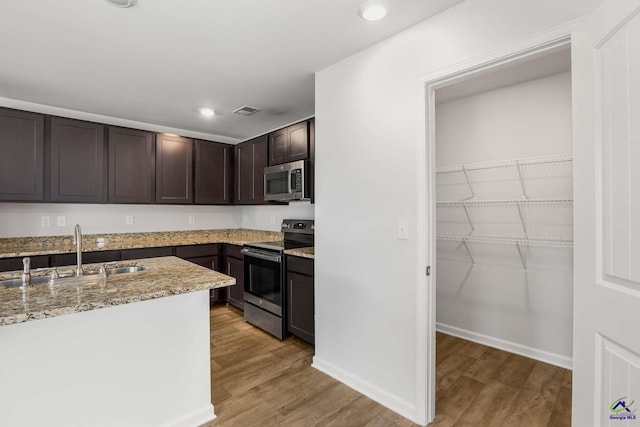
122, 3
207, 112
373, 10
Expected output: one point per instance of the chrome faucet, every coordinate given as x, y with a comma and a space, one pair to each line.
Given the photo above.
77, 240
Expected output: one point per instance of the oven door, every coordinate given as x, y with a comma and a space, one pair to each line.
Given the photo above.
263, 280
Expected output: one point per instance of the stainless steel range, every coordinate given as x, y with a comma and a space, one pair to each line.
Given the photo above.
264, 276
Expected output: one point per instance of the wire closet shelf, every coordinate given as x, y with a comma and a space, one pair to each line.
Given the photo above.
532, 198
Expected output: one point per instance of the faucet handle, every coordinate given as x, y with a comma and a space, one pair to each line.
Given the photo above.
26, 272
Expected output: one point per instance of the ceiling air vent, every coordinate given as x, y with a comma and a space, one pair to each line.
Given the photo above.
245, 110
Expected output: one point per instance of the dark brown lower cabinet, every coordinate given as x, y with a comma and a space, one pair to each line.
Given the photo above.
146, 252
207, 255
300, 300
234, 267
59, 260
11, 264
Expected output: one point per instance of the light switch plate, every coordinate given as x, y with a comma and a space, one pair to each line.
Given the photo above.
192, 219
403, 229
128, 219
61, 221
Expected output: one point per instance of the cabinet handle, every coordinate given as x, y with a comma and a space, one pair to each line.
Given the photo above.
228, 267
213, 265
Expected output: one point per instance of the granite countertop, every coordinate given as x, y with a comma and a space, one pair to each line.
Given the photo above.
32, 246
161, 277
301, 252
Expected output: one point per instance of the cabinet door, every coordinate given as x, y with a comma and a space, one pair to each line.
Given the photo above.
131, 166
300, 306
21, 155
174, 168
251, 159
212, 172
278, 151
289, 144
298, 137
77, 170
260, 161
235, 294
312, 160
244, 173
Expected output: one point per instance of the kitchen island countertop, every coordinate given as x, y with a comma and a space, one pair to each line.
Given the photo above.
161, 277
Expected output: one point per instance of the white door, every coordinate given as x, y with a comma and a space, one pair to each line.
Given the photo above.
606, 97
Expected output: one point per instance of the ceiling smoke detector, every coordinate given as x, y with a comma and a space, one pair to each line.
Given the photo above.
245, 110
122, 3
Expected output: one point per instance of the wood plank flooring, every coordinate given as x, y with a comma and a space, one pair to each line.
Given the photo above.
258, 380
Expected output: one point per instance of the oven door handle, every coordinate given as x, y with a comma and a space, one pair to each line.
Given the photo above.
266, 257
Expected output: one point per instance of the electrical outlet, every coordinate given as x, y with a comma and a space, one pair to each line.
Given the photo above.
273, 220
44, 221
61, 221
128, 219
192, 219
403, 229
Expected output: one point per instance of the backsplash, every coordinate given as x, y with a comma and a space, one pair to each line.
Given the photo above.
26, 219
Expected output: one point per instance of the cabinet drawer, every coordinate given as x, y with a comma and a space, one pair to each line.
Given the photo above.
205, 261
87, 258
300, 265
11, 264
233, 251
146, 252
192, 251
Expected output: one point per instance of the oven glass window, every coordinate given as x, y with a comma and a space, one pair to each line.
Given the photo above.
264, 280
278, 183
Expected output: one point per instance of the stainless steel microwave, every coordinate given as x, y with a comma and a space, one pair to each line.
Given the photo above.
286, 182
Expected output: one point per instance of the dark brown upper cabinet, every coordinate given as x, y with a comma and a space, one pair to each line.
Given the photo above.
131, 166
77, 161
289, 144
22, 154
174, 169
212, 173
251, 159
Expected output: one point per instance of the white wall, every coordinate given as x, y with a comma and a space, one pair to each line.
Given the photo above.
496, 301
367, 130
530, 119
24, 219
269, 217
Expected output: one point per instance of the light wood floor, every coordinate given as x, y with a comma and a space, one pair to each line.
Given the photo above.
258, 380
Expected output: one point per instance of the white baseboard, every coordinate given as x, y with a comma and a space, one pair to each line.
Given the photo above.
522, 350
402, 407
196, 418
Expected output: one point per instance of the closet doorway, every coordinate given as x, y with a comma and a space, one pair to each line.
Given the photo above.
502, 240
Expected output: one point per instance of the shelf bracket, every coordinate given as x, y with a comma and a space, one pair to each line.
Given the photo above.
466, 175
524, 227
466, 211
524, 264
524, 192
464, 242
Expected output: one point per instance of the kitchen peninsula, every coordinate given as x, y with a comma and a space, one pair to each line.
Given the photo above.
128, 349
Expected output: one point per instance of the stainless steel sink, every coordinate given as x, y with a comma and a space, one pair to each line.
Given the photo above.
126, 269
13, 283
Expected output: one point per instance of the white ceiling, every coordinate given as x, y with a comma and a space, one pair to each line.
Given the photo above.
161, 60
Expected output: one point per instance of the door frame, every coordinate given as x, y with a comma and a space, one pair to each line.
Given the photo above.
520, 51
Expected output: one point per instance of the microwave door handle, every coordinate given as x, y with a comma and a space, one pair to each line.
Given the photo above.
292, 181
